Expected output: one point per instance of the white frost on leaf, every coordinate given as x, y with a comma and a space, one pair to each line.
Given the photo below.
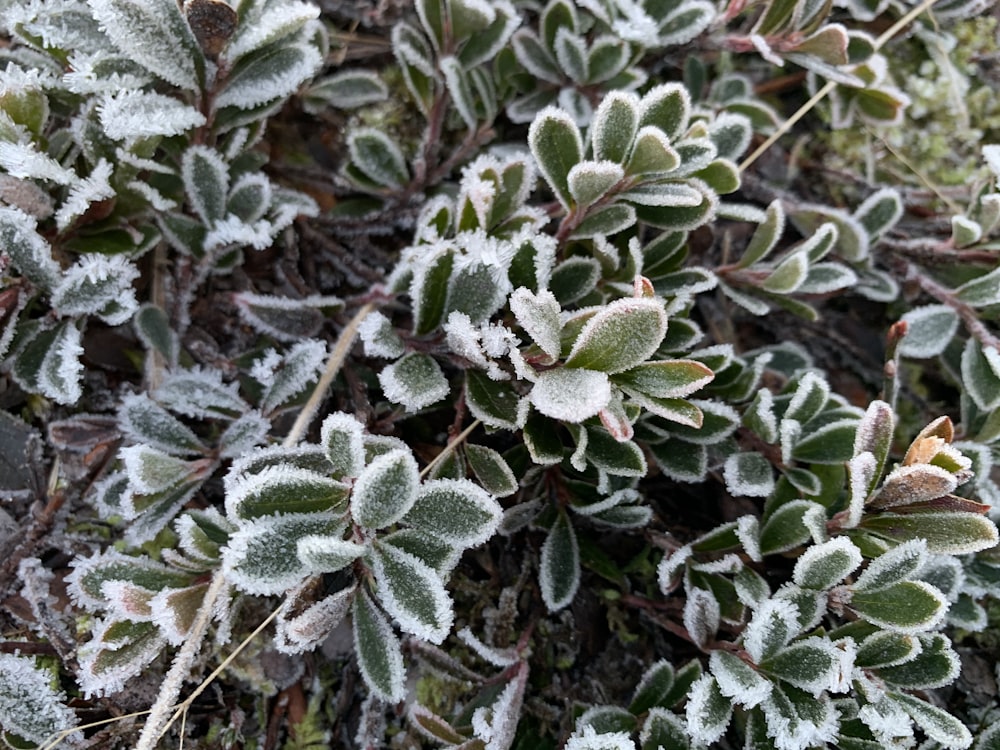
538, 315
415, 381
413, 593
496, 657
570, 394
92, 189
130, 115
25, 161
98, 285
902, 562
774, 623
31, 708
379, 337
277, 20
385, 490
271, 77
702, 615
592, 740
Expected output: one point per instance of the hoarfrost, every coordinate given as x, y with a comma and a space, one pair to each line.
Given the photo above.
131, 115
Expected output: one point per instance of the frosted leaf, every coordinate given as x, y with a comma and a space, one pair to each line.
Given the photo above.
234, 231
465, 340
284, 318
708, 711
456, 510
206, 182
496, 724
150, 471
811, 396
592, 740
748, 475
261, 557
243, 433
914, 484
385, 490
130, 115
84, 192
200, 393
152, 196
25, 161
862, 473
61, 370
902, 562
298, 369
538, 315
328, 554
824, 565
938, 724
620, 335
104, 71
281, 488
737, 680
30, 707
789, 431
379, 337
496, 657
272, 74
670, 567
701, 616
99, 285
145, 421
415, 381
342, 438
269, 22
559, 573
571, 395
815, 665
805, 723
774, 623
299, 629
413, 593
174, 611
379, 657
154, 34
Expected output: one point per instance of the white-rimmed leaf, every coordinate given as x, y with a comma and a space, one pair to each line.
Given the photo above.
348, 89
379, 656
937, 723
282, 489
907, 606
28, 250
569, 394
813, 664
378, 157
708, 711
621, 335
605, 221
702, 615
652, 154
98, 285
206, 182
151, 471
132, 114
385, 490
946, 533
827, 564
298, 368
981, 291
559, 574
933, 664
832, 443
748, 475
456, 510
271, 74
737, 680
492, 471
327, 554
415, 381
879, 212
261, 557
981, 374
154, 34
589, 181
874, 436
299, 629
929, 329
774, 623
614, 125
33, 709
342, 438
538, 315
412, 593
785, 528
886, 648
557, 146
667, 107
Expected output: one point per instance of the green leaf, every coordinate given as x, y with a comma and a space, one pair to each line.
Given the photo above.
589, 181
261, 557
667, 107
542, 441
708, 711
929, 329
32, 708
614, 125
154, 34
748, 475
617, 457
412, 592
570, 394
737, 680
119, 650
47, 361
653, 686
206, 182
674, 378
491, 470
886, 648
379, 656
495, 403
830, 444
812, 664
559, 575
378, 157
651, 154
663, 729
785, 529
605, 221
981, 374
621, 335
283, 489
937, 723
415, 381
342, 438
269, 74
574, 278
722, 175
811, 394
555, 142
934, 665
680, 460
456, 510
432, 550
328, 554
874, 436
907, 607
347, 89
879, 212
946, 533
385, 490
789, 274
824, 565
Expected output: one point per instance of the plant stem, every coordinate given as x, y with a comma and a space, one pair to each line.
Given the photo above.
157, 722
333, 365
450, 448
